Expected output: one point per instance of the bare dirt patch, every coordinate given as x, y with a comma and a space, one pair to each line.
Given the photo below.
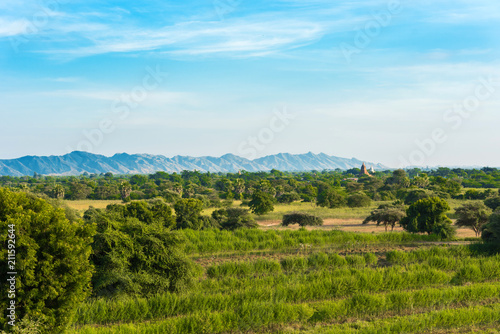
351, 225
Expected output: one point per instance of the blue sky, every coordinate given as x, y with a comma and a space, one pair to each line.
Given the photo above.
395, 82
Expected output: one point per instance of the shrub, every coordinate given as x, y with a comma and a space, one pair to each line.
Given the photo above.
188, 213
358, 200
288, 198
331, 199
303, 219
425, 214
444, 230
414, 195
135, 258
51, 261
491, 231
234, 218
493, 203
261, 203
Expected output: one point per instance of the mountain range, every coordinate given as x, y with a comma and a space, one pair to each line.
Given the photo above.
77, 162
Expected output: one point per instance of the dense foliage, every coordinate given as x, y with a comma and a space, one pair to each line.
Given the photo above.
135, 250
473, 215
233, 218
51, 260
428, 215
387, 215
491, 231
303, 219
328, 188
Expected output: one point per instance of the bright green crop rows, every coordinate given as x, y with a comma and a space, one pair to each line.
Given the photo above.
438, 287
212, 241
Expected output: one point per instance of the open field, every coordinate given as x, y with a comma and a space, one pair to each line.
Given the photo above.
284, 281
83, 205
353, 225
326, 279
344, 219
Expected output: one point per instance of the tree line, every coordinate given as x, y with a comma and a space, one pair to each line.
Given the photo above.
284, 186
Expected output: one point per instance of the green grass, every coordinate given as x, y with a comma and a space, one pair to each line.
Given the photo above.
322, 292
216, 241
314, 281
252, 315
325, 213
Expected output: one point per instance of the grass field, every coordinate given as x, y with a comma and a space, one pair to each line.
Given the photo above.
344, 219
257, 281
327, 279
82, 205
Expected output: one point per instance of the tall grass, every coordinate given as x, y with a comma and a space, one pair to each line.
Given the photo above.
229, 293
420, 323
251, 315
213, 241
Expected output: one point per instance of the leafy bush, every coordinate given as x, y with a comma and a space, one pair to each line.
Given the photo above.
51, 260
288, 198
493, 203
188, 213
425, 215
358, 200
234, 218
331, 198
135, 258
261, 203
303, 219
444, 230
491, 231
414, 195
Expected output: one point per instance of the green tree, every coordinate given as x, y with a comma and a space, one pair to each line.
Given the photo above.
308, 193
398, 179
444, 230
125, 190
491, 231
473, 215
261, 203
188, 213
331, 198
303, 219
234, 218
266, 187
58, 192
288, 198
79, 190
359, 200
139, 259
162, 213
421, 181
239, 188
423, 215
413, 196
387, 215
51, 260
493, 203
139, 210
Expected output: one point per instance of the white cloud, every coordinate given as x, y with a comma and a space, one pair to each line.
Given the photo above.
194, 37
12, 27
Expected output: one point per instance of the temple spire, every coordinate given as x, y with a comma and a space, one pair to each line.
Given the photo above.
364, 170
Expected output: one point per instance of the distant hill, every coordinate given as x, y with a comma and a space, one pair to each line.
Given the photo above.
76, 163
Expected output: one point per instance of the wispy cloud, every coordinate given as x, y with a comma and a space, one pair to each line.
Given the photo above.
194, 37
12, 27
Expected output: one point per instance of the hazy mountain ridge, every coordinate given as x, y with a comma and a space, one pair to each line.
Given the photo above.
76, 163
